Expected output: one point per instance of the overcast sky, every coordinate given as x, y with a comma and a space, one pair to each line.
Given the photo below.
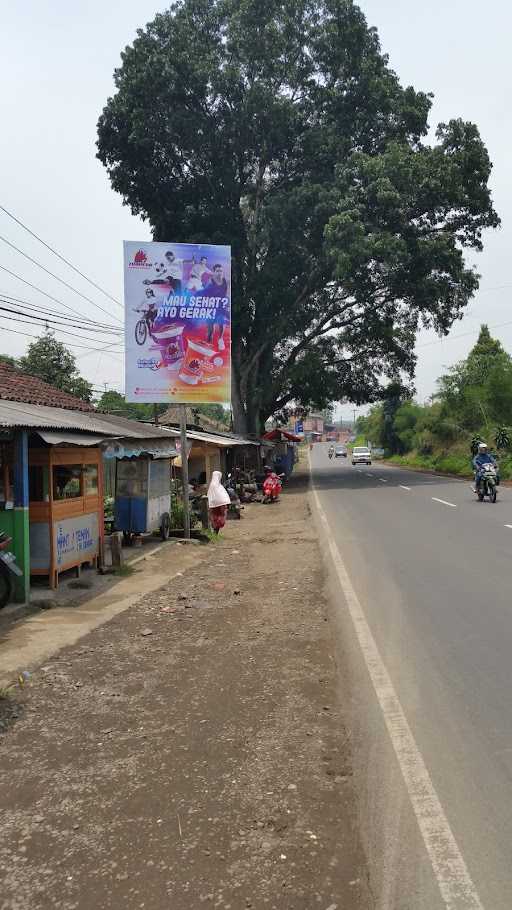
56, 62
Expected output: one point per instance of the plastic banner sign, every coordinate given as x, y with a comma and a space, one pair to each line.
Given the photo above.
177, 322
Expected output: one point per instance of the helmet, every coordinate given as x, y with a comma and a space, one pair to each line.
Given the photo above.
482, 446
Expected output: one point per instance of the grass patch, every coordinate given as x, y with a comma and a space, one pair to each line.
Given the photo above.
444, 462
124, 571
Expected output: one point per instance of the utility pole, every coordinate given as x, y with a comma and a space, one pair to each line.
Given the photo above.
184, 471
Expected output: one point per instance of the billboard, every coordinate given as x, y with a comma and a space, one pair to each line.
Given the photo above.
177, 322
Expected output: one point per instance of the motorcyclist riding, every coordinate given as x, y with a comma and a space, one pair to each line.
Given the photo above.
331, 451
482, 458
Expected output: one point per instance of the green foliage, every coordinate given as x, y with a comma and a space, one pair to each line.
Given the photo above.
124, 571
475, 442
108, 508
437, 437
281, 129
51, 361
502, 438
477, 392
214, 412
114, 403
11, 361
177, 515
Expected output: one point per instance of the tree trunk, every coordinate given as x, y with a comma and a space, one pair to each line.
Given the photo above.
247, 414
239, 413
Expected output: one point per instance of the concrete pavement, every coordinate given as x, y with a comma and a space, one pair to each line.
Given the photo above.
430, 566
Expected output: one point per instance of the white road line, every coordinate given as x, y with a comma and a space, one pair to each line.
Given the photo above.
368, 474
455, 883
382, 480
508, 526
402, 487
444, 503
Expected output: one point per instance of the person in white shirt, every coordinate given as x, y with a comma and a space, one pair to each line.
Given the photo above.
175, 270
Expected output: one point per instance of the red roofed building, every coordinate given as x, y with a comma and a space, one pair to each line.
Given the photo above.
18, 386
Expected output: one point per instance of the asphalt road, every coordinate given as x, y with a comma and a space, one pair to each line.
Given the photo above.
431, 567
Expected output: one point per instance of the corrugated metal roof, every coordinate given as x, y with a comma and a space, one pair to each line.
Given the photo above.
31, 416
221, 440
61, 437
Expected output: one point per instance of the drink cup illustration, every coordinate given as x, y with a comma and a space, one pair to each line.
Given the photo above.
170, 342
197, 356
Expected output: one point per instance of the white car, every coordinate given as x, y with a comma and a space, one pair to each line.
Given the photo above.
361, 455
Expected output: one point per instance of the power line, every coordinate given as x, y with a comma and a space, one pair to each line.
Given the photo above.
53, 275
101, 351
427, 344
60, 256
71, 344
41, 309
61, 331
54, 329
47, 320
40, 290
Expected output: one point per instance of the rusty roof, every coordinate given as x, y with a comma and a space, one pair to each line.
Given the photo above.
18, 386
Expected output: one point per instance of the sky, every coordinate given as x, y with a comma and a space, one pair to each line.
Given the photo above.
57, 61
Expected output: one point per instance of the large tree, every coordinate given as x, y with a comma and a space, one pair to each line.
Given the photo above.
51, 361
277, 126
477, 391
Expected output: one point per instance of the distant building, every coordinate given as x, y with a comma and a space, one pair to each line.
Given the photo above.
314, 424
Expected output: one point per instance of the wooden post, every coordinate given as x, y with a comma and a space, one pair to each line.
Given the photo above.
53, 564
184, 470
101, 514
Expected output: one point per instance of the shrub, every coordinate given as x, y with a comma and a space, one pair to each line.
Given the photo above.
177, 517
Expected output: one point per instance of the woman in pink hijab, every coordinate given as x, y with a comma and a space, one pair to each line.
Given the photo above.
218, 502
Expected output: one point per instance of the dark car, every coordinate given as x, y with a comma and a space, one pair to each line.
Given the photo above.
340, 452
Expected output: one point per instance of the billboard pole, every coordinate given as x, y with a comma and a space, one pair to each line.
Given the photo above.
184, 471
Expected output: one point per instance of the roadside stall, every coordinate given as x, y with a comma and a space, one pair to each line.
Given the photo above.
285, 450
65, 506
143, 496
52, 447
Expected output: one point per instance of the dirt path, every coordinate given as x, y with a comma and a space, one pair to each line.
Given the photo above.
203, 764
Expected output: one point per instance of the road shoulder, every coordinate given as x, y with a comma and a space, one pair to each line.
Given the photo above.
194, 748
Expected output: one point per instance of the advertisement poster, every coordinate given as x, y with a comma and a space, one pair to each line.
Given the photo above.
177, 322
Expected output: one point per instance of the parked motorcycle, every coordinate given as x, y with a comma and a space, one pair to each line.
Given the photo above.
9, 570
246, 486
272, 487
488, 483
235, 507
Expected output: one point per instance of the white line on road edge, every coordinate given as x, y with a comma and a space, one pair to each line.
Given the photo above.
382, 480
403, 488
508, 526
444, 503
452, 875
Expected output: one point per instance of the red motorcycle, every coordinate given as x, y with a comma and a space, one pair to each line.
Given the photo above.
272, 486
